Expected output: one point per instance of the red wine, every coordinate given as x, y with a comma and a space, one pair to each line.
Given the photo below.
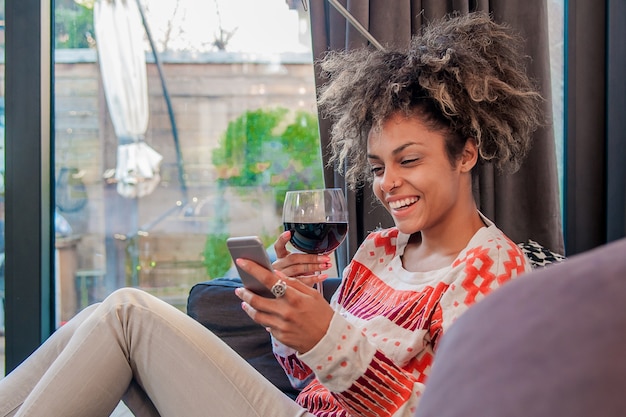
317, 237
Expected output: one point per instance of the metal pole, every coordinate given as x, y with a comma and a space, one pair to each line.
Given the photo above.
358, 26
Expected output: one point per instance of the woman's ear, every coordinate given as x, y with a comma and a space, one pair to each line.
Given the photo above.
469, 157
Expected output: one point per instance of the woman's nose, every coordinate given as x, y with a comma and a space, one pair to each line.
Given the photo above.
388, 182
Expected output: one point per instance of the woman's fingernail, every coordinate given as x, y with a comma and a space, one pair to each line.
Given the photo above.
324, 258
238, 292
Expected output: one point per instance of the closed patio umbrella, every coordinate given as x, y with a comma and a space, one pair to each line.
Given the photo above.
121, 55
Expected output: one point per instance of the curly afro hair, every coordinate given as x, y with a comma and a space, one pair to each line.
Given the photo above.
464, 75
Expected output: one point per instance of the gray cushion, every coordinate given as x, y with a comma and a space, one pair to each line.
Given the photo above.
215, 305
551, 343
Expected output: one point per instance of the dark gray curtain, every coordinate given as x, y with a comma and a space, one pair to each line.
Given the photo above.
524, 205
595, 204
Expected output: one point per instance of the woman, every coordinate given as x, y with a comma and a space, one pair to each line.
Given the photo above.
416, 123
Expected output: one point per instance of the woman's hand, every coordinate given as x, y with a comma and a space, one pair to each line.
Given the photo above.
298, 319
307, 268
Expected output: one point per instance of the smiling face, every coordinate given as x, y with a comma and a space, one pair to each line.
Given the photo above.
414, 178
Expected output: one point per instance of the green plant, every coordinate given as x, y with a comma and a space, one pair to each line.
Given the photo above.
262, 148
216, 257
271, 148
73, 24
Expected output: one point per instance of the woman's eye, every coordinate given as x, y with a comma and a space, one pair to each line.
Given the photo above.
409, 161
376, 170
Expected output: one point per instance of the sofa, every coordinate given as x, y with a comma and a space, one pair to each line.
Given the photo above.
214, 304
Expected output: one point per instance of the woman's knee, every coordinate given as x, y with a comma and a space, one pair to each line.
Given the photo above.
127, 295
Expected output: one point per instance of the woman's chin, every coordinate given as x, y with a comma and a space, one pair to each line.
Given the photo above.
407, 227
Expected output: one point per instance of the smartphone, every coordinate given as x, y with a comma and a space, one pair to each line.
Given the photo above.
250, 247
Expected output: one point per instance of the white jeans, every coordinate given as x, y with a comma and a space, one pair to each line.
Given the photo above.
135, 347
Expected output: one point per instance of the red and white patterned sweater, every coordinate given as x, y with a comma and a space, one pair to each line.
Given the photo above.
378, 350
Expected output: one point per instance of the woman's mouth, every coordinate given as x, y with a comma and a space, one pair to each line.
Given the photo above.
403, 203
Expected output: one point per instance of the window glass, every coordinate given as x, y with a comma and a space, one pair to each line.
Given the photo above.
177, 125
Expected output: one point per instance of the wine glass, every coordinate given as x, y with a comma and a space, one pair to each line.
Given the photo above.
317, 220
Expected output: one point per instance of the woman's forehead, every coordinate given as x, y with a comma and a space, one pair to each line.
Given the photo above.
403, 132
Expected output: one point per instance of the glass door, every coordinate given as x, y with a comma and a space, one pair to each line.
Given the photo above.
175, 125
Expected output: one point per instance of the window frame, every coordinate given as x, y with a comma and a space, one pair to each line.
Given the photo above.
29, 191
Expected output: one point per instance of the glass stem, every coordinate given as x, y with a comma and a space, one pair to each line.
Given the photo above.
319, 285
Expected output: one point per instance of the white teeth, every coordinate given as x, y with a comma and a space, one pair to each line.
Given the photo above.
402, 203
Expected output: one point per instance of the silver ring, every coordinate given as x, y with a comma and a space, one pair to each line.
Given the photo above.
279, 288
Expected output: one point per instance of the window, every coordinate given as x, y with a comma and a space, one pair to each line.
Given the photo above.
153, 174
